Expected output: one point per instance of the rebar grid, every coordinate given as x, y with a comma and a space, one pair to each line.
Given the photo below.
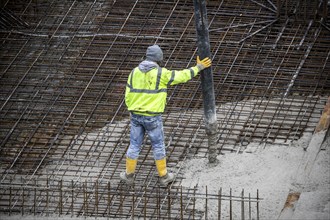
64, 66
99, 199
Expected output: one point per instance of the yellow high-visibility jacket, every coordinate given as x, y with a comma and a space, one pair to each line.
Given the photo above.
146, 92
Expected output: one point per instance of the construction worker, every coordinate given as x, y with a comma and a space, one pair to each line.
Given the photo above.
145, 97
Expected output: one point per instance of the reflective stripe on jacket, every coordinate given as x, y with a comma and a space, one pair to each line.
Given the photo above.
146, 92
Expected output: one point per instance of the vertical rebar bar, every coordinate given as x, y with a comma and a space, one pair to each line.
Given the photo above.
72, 195
10, 195
85, 198
206, 200
158, 202
219, 203
109, 195
242, 205
133, 203
121, 199
23, 194
169, 203
181, 203
47, 196
97, 197
145, 202
60, 198
194, 202
230, 206
250, 214
35, 197
257, 204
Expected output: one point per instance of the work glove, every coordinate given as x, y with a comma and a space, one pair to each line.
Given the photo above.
204, 63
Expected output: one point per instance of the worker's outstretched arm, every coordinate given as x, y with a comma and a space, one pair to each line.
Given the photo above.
173, 77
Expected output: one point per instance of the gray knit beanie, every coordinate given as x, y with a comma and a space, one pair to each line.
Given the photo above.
154, 53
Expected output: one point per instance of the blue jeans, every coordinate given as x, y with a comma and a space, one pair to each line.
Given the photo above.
153, 126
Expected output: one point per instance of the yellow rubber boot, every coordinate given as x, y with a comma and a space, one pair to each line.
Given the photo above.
128, 176
164, 177
161, 167
130, 165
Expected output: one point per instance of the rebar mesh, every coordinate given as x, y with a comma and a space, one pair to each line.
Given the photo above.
64, 66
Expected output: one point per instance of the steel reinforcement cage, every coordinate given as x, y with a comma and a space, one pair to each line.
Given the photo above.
100, 199
63, 72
